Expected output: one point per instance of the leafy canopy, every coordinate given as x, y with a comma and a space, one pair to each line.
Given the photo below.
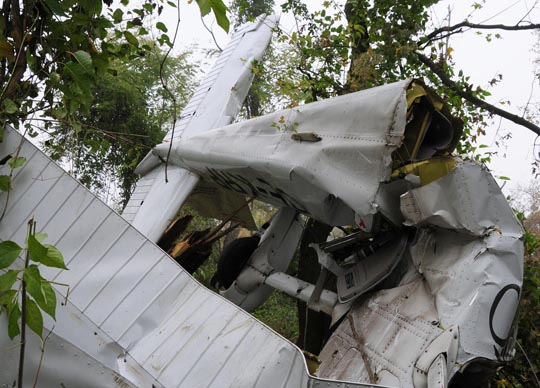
52, 52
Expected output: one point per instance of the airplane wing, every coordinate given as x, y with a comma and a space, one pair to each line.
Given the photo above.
155, 200
127, 315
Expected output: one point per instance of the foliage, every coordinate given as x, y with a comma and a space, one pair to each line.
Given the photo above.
52, 52
247, 10
364, 44
128, 117
37, 294
280, 313
218, 8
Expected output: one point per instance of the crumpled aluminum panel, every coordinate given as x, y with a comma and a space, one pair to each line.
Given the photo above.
331, 179
396, 324
133, 317
476, 280
464, 268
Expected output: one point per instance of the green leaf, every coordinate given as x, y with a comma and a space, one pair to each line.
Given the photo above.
93, 144
9, 251
131, 38
118, 15
7, 298
53, 258
6, 50
204, 6
5, 182
40, 236
36, 250
85, 60
220, 11
79, 75
9, 106
16, 162
13, 320
7, 280
50, 299
504, 178
34, 319
45, 254
55, 7
32, 278
161, 26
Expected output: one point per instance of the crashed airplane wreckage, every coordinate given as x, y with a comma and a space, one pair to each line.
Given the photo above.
426, 292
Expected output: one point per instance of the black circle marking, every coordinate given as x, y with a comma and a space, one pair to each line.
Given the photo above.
500, 341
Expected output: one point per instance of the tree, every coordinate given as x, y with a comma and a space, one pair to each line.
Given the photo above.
57, 56
52, 52
129, 116
247, 10
365, 43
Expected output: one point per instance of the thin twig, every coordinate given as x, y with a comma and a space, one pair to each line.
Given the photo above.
163, 84
11, 176
360, 346
211, 33
466, 24
41, 356
529, 11
530, 364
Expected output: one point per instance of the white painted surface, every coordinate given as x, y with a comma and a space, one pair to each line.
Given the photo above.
134, 317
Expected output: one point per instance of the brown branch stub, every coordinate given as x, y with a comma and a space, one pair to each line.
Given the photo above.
360, 346
447, 81
477, 26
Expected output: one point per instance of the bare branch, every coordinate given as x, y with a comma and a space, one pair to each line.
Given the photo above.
445, 79
466, 24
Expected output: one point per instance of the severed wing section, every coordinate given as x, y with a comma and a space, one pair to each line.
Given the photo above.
127, 315
216, 102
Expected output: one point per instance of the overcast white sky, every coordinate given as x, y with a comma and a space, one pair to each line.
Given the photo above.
511, 56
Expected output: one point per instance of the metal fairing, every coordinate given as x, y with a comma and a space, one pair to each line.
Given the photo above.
215, 103
134, 318
464, 270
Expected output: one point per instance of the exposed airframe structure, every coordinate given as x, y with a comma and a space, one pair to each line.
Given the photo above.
432, 301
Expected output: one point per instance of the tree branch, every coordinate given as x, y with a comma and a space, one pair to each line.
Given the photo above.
467, 24
445, 79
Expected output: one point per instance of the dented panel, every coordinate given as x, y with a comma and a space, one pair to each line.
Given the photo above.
331, 178
463, 270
